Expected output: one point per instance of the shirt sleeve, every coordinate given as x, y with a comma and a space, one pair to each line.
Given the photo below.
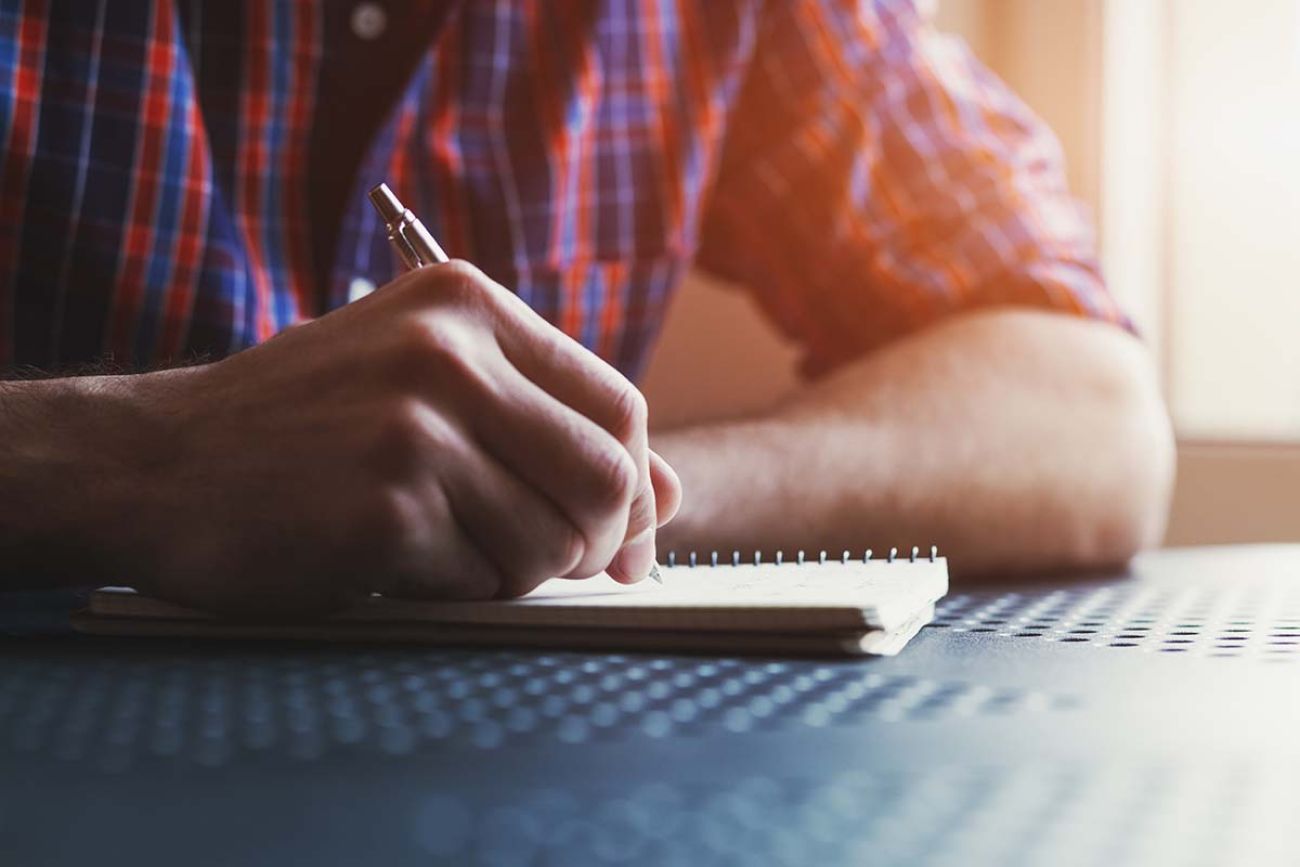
876, 179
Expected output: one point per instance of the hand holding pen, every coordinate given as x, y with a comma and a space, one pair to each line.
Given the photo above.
437, 438
416, 247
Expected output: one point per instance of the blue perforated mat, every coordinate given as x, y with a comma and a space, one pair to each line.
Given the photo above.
1137, 719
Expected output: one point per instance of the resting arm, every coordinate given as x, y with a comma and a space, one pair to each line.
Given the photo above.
1019, 442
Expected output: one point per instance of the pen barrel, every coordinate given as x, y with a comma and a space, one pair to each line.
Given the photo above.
421, 241
406, 234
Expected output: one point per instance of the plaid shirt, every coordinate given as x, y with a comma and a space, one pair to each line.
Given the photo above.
860, 175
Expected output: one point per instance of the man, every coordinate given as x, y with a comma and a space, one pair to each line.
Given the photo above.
184, 180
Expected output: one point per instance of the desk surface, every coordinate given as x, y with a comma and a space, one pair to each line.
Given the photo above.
1144, 718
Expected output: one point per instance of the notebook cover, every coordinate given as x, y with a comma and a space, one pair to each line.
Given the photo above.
871, 642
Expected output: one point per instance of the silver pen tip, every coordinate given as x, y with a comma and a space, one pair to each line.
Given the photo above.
390, 208
654, 573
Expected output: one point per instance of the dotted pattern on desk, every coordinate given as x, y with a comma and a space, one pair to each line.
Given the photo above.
1224, 620
117, 710
1056, 815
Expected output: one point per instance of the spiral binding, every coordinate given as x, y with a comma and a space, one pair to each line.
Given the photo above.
693, 558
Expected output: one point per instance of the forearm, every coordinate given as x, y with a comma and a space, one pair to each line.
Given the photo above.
1017, 442
66, 462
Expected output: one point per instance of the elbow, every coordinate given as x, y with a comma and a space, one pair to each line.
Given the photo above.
1133, 461
1135, 520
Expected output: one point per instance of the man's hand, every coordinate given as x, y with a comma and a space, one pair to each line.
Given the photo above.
436, 439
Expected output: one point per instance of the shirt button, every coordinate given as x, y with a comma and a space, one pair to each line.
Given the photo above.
369, 21
359, 288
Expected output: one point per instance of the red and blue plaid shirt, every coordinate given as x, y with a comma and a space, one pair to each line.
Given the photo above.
859, 174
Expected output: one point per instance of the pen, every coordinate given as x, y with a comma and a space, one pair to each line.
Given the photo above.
417, 248
406, 233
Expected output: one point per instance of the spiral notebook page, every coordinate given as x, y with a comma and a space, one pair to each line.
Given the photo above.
879, 593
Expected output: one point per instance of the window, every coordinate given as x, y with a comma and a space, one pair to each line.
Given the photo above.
1201, 204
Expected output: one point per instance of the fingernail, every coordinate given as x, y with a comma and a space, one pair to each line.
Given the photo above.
636, 558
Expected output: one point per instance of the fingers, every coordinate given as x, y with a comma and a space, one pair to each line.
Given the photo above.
634, 560
565, 457
557, 417
522, 533
668, 488
457, 569
472, 502
576, 377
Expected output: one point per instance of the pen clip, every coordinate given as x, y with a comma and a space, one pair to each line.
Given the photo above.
403, 247
408, 236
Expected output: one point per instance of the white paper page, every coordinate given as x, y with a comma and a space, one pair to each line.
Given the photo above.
788, 585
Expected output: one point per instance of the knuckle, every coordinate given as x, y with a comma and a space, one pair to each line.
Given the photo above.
512, 588
431, 339
472, 582
391, 521
570, 546
630, 412
616, 478
517, 582
519, 579
642, 517
459, 271
555, 549
447, 351
455, 283
404, 436
541, 545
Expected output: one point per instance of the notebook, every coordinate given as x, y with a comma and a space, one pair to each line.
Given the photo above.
833, 606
